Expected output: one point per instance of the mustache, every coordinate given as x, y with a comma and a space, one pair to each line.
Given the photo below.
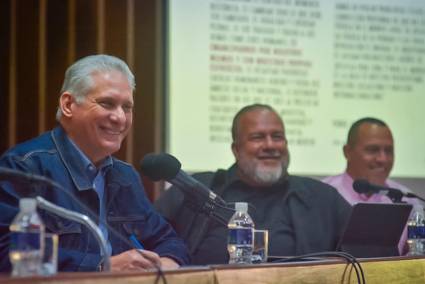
269, 155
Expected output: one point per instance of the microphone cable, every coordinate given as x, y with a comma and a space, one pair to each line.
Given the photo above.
346, 256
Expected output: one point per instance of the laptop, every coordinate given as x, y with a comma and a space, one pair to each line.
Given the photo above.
374, 229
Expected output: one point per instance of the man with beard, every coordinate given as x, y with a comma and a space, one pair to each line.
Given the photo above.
302, 215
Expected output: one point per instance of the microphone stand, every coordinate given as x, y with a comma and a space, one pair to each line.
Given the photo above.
82, 219
211, 208
412, 195
395, 196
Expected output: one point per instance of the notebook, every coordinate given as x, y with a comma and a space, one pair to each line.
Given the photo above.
374, 229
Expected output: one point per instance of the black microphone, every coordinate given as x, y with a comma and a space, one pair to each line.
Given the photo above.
364, 186
167, 167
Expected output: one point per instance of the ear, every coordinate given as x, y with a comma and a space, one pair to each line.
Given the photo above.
235, 150
66, 101
347, 151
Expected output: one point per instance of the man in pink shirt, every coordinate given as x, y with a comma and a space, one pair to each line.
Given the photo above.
370, 156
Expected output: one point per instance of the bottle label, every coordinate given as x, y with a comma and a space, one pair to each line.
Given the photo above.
415, 232
411, 232
240, 236
24, 241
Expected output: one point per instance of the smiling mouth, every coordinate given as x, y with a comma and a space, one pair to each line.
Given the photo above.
111, 131
270, 159
379, 170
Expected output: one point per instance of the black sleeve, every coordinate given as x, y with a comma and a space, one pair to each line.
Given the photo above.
180, 211
343, 209
169, 204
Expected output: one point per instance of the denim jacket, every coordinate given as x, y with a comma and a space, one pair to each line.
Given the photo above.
128, 210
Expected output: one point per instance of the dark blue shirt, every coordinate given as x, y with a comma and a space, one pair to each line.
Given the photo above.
97, 177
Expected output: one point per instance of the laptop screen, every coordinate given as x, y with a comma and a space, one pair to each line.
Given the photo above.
374, 229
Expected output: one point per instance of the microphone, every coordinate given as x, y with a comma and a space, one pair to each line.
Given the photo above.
167, 167
364, 186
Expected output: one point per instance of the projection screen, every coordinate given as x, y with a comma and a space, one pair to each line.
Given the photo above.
322, 64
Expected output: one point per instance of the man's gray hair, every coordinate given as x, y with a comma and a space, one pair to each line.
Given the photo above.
249, 108
78, 77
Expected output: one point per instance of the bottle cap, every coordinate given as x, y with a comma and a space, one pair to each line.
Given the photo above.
241, 206
27, 204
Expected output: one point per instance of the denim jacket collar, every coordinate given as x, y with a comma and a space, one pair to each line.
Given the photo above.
72, 161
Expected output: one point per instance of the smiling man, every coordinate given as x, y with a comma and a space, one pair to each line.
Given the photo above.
302, 215
369, 152
95, 114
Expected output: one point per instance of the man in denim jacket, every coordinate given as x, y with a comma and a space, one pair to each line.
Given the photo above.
95, 115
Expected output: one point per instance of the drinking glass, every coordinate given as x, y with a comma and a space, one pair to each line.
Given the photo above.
49, 264
261, 244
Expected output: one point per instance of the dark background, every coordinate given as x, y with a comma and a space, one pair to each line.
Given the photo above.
39, 39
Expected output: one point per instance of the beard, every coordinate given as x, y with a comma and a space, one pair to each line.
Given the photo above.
263, 175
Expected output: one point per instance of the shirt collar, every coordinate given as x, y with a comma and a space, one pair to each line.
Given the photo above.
79, 166
89, 167
347, 178
362, 197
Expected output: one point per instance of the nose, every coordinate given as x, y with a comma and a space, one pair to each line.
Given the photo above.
383, 156
270, 143
118, 115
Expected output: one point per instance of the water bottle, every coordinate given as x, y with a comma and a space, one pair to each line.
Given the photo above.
26, 240
240, 238
416, 232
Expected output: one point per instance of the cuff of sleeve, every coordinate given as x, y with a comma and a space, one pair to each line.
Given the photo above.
173, 257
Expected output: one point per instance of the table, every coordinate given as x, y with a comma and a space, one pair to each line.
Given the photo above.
382, 270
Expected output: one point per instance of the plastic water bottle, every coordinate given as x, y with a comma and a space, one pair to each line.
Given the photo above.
240, 238
416, 232
26, 240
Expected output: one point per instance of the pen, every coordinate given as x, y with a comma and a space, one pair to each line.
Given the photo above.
136, 242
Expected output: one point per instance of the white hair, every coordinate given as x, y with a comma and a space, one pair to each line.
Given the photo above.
78, 77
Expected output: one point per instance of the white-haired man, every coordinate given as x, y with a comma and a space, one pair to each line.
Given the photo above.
95, 114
